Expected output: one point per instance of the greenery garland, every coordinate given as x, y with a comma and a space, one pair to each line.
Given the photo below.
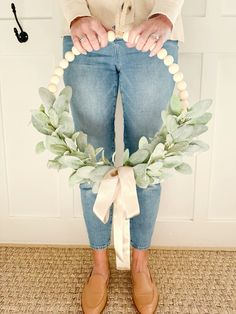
155, 158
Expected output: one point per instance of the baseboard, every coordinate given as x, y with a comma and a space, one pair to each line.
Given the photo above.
83, 246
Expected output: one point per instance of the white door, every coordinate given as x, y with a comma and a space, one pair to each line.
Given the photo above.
37, 205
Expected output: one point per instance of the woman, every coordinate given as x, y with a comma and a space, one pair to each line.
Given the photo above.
146, 87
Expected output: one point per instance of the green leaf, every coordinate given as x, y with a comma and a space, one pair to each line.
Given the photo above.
98, 150
139, 156
47, 97
113, 157
165, 174
40, 147
171, 123
169, 139
183, 132
175, 105
66, 125
50, 140
54, 164
199, 129
164, 115
197, 146
60, 105
42, 108
140, 169
70, 143
201, 120
141, 178
125, 156
198, 108
142, 142
184, 168
70, 161
90, 151
99, 172
81, 141
154, 169
58, 149
179, 147
41, 122
53, 117
172, 161
67, 92
84, 172
74, 179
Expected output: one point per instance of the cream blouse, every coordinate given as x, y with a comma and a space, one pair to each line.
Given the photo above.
121, 15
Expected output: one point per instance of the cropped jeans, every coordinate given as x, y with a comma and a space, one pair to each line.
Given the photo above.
146, 87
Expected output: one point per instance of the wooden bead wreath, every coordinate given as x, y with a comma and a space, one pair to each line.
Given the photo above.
155, 157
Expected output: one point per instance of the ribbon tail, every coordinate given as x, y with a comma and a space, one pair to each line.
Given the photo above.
121, 236
105, 196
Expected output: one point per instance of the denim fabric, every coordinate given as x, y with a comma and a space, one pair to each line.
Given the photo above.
146, 87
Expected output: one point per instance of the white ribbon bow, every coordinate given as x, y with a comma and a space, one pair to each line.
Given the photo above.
118, 186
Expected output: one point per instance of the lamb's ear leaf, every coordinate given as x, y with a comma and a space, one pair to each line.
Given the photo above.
67, 91
184, 168
139, 156
39, 148
47, 97
175, 105
198, 108
143, 141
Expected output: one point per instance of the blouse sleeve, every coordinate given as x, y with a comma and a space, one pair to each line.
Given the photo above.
170, 8
74, 8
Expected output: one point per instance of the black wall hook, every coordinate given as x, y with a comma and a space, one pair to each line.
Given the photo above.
22, 36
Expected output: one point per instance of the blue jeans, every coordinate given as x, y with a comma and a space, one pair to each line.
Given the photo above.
145, 87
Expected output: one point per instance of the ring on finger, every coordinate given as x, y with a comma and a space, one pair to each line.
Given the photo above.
156, 37
82, 37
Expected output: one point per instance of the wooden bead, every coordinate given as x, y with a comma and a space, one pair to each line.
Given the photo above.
182, 85
59, 71
168, 60
178, 76
75, 51
173, 68
126, 36
54, 79
162, 53
184, 95
64, 63
52, 88
111, 36
69, 56
185, 104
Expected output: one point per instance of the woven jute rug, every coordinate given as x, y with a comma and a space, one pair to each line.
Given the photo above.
50, 280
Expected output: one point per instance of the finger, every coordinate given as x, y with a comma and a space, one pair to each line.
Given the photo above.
102, 35
149, 43
86, 44
93, 40
142, 40
133, 34
78, 46
158, 47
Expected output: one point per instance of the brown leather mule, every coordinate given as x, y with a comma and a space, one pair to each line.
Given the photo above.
95, 294
144, 292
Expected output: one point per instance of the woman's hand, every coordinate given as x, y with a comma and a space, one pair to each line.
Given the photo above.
89, 27
158, 24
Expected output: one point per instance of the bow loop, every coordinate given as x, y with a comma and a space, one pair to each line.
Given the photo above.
118, 186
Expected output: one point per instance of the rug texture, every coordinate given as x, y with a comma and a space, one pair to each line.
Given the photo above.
51, 279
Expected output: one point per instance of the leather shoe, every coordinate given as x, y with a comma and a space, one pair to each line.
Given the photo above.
144, 292
95, 294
